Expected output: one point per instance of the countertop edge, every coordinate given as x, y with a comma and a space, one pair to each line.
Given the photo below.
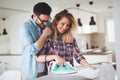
10, 54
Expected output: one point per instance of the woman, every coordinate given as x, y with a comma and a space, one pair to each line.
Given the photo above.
56, 49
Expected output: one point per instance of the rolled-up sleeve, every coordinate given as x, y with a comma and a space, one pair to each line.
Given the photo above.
29, 44
77, 55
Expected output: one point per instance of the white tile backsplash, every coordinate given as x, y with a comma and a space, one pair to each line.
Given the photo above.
81, 40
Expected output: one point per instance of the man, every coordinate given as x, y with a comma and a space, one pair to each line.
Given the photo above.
33, 34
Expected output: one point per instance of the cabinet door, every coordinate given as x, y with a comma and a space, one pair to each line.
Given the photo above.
87, 29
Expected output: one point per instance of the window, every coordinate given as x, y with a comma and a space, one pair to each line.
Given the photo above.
110, 30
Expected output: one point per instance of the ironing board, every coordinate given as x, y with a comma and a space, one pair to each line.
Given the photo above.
104, 68
62, 77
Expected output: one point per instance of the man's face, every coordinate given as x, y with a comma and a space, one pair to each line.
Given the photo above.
43, 19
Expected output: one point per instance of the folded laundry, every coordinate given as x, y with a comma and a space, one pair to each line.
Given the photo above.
66, 69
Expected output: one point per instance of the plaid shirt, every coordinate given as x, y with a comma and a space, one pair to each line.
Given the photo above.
65, 50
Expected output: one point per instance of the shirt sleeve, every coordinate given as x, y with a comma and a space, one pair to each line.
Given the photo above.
49, 24
29, 45
46, 47
76, 52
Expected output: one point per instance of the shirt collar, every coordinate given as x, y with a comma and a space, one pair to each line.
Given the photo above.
33, 22
59, 36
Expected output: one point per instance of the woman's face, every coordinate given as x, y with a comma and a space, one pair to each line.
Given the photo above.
63, 25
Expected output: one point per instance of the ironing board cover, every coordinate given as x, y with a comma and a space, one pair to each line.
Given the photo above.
66, 69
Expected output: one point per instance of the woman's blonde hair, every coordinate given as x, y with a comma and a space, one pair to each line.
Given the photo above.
58, 17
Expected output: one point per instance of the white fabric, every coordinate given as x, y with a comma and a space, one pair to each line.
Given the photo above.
88, 73
105, 71
11, 75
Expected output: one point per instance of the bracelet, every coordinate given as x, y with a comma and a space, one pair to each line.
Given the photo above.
45, 57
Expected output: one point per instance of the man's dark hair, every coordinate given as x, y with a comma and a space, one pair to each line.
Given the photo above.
42, 8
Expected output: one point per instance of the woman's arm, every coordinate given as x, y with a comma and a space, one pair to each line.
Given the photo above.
80, 58
84, 63
43, 58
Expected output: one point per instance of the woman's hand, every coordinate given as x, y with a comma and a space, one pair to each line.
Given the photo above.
92, 67
61, 61
86, 64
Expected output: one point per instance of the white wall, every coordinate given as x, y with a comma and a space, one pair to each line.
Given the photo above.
101, 17
4, 39
14, 25
116, 15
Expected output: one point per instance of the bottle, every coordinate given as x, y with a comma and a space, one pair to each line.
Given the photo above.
87, 46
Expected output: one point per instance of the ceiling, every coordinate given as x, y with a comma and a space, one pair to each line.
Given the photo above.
98, 5
11, 7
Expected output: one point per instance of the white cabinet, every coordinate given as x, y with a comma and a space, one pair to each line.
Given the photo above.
98, 58
87, 29
9, 62
85, 19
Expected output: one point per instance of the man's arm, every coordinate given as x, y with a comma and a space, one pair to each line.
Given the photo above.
68, 38
27, 36
43, 37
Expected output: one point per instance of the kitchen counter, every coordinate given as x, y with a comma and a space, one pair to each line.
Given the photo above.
96, 53
96, 57
7, 54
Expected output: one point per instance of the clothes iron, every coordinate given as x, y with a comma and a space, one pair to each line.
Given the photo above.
66, 69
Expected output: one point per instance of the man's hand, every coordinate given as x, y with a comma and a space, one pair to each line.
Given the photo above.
69, 38
47, 31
